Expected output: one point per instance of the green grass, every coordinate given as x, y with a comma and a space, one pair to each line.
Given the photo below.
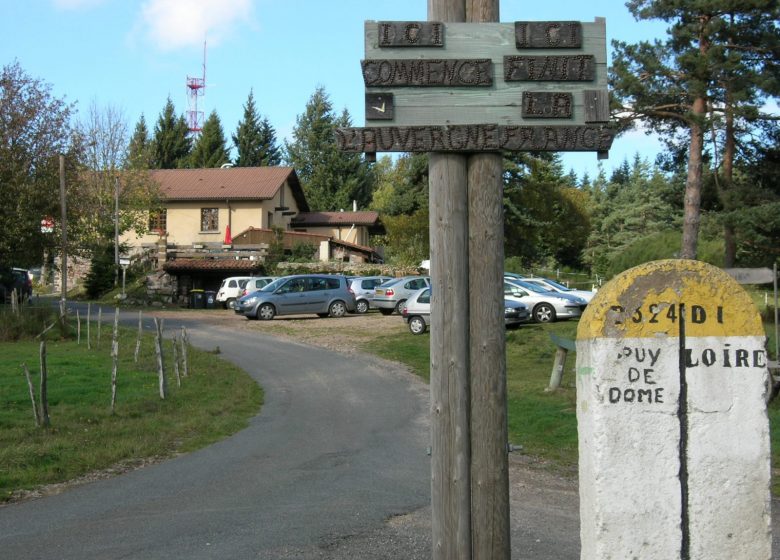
545, 424
215, 400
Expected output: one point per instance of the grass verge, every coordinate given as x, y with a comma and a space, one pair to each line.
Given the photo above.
545, 424
214, 401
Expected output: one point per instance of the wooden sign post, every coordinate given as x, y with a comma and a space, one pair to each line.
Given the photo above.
464, 88
673, 433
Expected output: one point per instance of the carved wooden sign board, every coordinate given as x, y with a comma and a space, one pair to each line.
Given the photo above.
482, 87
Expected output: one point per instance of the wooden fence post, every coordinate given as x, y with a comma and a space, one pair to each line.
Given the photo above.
185, 342
114, 358
78, 327
138, 339
44, 396
158, 345
99, 325
36, 415
176, 360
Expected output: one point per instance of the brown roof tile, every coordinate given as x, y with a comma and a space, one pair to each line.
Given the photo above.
248, 183
226, 264
365, 218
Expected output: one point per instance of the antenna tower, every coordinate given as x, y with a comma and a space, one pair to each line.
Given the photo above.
196, 87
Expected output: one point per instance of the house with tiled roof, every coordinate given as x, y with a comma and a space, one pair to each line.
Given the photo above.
351, 227
202, 206
218, 222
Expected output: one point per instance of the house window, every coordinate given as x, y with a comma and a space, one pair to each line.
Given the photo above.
270, 220
209, 219
158, 221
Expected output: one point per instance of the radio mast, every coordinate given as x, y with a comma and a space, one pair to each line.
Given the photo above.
196, 87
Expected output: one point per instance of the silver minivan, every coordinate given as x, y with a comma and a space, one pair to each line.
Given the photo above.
322, 294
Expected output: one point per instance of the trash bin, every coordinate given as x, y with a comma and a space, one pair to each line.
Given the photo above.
197, 299
210, 299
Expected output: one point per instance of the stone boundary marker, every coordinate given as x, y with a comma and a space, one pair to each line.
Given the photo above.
673, 431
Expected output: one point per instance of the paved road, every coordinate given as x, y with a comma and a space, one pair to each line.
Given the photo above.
333, 468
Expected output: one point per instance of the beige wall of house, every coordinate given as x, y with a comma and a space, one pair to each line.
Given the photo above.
357, 235
183, 219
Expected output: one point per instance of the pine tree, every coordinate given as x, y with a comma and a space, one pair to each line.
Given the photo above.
139, 151
210, 150
255, 139
171, 146
673, 85
330, 178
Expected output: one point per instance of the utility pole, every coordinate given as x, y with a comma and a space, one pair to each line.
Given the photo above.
470, 484
116, 231
64, 218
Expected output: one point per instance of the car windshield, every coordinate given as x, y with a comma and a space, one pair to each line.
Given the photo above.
532, 287
558, 286
273, 285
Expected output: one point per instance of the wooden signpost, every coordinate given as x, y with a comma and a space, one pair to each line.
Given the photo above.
483, 87
464, 88
673, 432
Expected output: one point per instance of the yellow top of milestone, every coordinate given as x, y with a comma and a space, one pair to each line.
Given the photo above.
649, 301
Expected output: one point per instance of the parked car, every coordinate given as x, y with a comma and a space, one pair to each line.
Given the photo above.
255, 283
553, 286
392, 295
417, 311
322, 294
18, 279
364, 287
515, 312
230, 290
545, 306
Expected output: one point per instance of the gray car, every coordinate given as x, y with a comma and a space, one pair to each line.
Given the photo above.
321, 294
364, 287
392, 295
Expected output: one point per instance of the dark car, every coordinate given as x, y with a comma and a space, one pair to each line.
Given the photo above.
18, 279
322, 294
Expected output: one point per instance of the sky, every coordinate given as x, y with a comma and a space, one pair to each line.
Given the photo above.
132, 55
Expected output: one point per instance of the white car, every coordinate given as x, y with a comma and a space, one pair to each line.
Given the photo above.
255, 283
545, 307
231, 289
553, 286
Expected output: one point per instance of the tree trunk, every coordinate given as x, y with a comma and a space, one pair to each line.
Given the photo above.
729, 149
692, 215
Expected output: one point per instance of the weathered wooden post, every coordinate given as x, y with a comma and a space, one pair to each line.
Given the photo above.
114, 359
158, 347
463, 88
673, 431
138, 337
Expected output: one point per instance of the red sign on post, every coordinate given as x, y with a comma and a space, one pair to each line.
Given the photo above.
47, 225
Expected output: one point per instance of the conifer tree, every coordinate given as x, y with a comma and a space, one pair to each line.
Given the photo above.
171, 146
210, 150
139, 151
255, 139
331, 179
718, 54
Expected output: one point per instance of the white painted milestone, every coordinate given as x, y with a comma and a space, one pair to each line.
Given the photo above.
673, 432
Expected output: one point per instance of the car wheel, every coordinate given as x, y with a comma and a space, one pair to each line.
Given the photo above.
361, 306
337, 309
417, 325
230, 304
544, 313
384, 311
266, 312
399, 307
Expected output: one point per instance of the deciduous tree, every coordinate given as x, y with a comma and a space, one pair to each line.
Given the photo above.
35, 128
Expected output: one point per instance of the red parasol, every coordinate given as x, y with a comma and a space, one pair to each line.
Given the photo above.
228, 238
